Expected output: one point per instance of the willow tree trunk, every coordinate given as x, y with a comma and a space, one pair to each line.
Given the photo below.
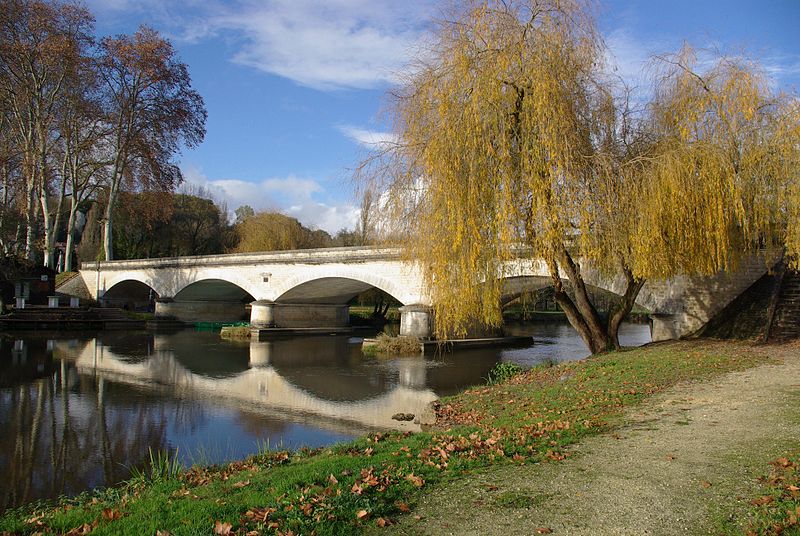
600, 335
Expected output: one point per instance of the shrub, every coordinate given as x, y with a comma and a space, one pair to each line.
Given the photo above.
502, 372
400, 345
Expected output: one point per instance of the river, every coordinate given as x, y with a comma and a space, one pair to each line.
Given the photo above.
78, 411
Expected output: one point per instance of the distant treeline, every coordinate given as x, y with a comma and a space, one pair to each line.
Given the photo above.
166, 224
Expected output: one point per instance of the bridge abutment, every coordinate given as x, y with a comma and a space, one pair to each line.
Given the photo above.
201, 311
267, 314
666, 327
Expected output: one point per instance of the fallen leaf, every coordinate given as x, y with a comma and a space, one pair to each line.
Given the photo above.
403, 507
332, 480
163, 533
362, 514
416, 480
705, 483
222, 529
382, 522
241, 484
761, 501
110, 515
544, 530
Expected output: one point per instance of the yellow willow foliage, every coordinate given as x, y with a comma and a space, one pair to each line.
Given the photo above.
511, 135
493, 129
724, 178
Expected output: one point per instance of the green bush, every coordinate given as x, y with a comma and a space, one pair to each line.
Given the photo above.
502, 372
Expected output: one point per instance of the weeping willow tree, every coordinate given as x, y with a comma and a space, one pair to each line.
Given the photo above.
726, 180
513, 141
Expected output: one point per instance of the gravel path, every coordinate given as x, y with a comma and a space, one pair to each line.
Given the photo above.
684, 461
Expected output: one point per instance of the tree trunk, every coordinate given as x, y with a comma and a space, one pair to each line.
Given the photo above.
624, 306
73, 209
30, 220
601, 342
598, 336
572, 313
48, 230
108, 245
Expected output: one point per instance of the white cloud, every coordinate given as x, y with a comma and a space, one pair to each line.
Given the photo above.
327, 45
293, 196
324, 45
371, 139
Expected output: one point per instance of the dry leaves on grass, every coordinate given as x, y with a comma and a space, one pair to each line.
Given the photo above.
222, 529
86, 528
110, 514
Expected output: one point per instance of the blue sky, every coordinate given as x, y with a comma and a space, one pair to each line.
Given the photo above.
294, 88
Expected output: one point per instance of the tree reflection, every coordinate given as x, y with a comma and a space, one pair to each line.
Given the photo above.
61, 436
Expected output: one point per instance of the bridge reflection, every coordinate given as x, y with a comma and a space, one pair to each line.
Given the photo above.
80, 413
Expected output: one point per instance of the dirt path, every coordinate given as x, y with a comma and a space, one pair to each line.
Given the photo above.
683, 461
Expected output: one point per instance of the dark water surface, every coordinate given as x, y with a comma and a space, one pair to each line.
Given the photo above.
79, 411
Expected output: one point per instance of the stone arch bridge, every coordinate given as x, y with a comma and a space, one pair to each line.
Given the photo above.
311, 288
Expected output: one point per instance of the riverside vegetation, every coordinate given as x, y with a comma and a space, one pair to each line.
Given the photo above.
530, 418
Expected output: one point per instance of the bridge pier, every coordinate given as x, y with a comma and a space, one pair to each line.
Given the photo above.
416, 321
267, 314
201, 311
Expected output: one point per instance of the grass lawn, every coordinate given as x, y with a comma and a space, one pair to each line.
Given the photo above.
339, 490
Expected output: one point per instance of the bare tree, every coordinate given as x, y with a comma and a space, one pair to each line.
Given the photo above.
41, 44
152, 110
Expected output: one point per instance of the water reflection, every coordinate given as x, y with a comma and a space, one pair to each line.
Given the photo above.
56, 443
558, 341
79, 412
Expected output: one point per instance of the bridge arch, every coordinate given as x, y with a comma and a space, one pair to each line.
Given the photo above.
333, 285
207, 300
331, 290
515, 287
131, 294
213, 290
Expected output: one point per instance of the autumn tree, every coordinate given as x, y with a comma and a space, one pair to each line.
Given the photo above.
514, 141
724, 181
83, 164
41, 47
273, 231
153, 111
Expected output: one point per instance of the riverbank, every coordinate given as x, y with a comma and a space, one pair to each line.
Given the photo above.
371, 482
712, 457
